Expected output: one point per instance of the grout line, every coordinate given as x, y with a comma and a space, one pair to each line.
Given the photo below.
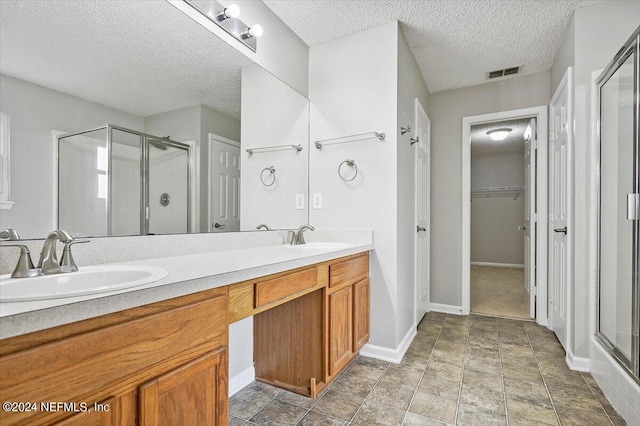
415, 392
596, 397
368, 394
464, 359
553, 405
504, 386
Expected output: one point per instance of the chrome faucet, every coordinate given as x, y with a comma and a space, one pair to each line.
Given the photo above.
24, 268
263, 226
9, 234
48, 262
297, 237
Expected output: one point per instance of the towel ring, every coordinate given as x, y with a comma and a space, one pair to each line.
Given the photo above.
349, 163
265, 178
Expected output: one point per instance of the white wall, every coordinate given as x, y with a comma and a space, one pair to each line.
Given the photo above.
35, 112
352, 89
446, 111
494, 220
272, 115
565, 56
410, 86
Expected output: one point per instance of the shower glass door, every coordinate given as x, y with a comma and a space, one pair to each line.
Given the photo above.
168, 187
618, 305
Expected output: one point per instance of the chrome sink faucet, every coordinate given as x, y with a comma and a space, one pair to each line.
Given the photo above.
263, 226
9, 234
48, 262
297, 237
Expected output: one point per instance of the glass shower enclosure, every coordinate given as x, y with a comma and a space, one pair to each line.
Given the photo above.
618, 308
115, 181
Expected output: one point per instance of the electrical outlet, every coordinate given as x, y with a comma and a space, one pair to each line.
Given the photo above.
299, 201
317, 200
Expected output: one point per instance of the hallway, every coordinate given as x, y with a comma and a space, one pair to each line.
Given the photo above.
462, 370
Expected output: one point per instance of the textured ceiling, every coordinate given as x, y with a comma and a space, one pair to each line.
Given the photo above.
140, 56
482, 145
455, 42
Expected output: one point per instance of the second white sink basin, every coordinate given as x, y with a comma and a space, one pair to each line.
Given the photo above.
320, 245
87, 280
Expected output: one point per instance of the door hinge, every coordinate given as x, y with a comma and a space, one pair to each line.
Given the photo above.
534, 217
534, 291
534, 144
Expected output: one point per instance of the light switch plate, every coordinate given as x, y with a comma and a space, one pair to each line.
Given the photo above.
317, 200
299, 201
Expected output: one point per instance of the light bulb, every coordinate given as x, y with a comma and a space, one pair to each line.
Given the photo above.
233, 11
255, 31
498, 134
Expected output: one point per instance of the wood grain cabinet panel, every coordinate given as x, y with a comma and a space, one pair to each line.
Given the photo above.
349, 271
113, 411
340, 329
360, 314
278, 288
192, 394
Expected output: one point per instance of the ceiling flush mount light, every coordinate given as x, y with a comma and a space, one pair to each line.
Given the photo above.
499, 134
232, 11
227, 18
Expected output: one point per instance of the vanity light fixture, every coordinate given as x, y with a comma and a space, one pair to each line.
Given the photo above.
227, 18
233, 11
255, 31
499, 134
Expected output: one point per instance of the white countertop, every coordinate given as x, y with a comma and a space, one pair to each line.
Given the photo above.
187, 274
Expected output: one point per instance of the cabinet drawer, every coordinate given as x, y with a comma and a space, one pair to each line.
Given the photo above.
349, 271
267, 292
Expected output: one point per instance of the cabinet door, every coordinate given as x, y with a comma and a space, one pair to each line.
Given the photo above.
360, 314
340, 329
192, 394
114, 411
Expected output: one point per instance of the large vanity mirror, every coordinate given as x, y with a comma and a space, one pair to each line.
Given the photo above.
128, 118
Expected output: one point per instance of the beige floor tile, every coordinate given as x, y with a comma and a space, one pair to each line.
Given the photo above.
486, 380
413, 419
247, 402
296, 399
354, 385
482, 397
372, 413
440, 386
392, 394
338, 404
279, 413
570, 416
405, 375
433, 406
474, 416
529, 410
316, 419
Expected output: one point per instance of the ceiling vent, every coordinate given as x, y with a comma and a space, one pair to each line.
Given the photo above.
503, 73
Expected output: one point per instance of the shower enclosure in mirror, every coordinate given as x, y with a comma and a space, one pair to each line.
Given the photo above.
618, 322
115, 181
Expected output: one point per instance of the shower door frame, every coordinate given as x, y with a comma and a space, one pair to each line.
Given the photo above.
144, 167
630, 48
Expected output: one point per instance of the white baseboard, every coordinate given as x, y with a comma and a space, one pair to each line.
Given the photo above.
242, 379
498, 265
577, 363
445, 309
391, 355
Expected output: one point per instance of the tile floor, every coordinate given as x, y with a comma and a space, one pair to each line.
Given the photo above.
498, 291
462, 370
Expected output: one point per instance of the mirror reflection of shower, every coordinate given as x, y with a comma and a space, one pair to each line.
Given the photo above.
116, 181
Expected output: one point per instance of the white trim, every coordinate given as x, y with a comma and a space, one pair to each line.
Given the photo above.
540, 113
577, 363
390, 355
6, 205
213, 136
498, 265
55, 134
446, 309
242, 379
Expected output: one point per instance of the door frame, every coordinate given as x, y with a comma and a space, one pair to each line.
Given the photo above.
419, 109
540, 113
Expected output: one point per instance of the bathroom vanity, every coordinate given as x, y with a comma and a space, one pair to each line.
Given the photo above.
167, 362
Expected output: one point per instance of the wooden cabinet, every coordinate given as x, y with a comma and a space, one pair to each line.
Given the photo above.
360, 314
115, 359
348, 311
340, 329
192, 394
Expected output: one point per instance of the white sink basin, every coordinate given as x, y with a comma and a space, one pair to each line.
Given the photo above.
87, 280
320, 245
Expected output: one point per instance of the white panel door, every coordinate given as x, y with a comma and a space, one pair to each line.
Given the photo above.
423, 209
560, 133
529, 227
224, 186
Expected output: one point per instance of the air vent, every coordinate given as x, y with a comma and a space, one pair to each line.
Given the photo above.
503, 73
